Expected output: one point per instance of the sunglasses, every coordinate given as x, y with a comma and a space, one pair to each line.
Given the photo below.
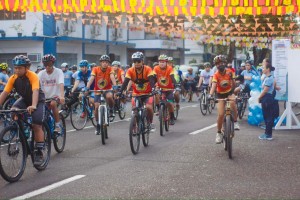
137, 61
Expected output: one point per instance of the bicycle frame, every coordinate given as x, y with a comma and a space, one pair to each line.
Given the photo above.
102, 99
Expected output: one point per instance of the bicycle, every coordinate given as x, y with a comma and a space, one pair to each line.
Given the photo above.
81, 112
205, 104
228, 125
119, 106
103, 116
59, 138
242, 104
139, 125
164, 115
17, 140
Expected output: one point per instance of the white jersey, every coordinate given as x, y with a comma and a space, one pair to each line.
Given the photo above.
206, 76
50, 83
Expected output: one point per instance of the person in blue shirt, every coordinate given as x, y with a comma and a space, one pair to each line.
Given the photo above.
3, 75
247, 78
266, 99
67, 78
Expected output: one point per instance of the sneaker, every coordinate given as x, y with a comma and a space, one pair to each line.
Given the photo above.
152, 127
236, 126
82, 115
38, 157
97, 133
58, 128
265, 137
172, 121
219, 138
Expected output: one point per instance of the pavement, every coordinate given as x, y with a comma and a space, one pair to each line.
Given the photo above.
179, 165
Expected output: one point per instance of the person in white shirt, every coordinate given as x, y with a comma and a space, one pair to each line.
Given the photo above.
52, 83
206, 76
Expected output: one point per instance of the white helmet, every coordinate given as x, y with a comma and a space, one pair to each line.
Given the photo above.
116, 63
64, 65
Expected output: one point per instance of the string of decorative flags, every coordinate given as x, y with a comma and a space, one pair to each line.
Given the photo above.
157, 7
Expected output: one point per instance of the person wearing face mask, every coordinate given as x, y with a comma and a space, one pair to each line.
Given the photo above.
165, 81
224, 83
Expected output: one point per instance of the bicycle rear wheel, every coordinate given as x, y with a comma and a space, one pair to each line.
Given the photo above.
13, 154
167, 119
78, 116
145, 130
203, 105
103, 127
122, 110
46, 149
134, 135
229, 135
161, 119
59, 139
176, 112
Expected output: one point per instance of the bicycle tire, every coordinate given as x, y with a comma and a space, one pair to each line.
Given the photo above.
176, 112
47, 136
122, 111
145, 132
103, 127
76, 111
161, 119
60, 146
229, 135
167, 119
8, 177
209, 105
240, 109
202, 105
134, 135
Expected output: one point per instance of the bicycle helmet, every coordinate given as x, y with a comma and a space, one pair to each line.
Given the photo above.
65, 65
155, 64
40, 68
21, 60
104, 58
83, 63
220, 58
170, 59
116, 63
138, 56
163, 58
3, 66
74, 67
243, 65
207, 64
48, 58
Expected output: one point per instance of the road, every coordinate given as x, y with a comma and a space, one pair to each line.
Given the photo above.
178, 165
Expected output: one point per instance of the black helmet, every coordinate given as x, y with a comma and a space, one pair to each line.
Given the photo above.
21, 60
74, 67
49, 57
104, 58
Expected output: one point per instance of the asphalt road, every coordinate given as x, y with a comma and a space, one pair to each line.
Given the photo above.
179, 165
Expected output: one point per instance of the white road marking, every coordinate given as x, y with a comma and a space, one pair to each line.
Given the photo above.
203, 129
48, 188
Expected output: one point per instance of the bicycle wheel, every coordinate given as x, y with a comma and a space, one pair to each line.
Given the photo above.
134, 135
209, 105
240, 106
229, 135
65, 111
103, 127
167, 119
46, 149
145, 132
161, 119
78, 116
176, 112
59, 139
244, 107
122, 110
13, 154
203, 105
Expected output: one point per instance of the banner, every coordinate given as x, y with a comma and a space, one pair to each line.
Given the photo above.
280, 53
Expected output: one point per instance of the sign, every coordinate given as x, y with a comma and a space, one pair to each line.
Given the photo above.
280, 51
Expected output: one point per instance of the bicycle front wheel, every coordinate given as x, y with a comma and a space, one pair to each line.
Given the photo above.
103, 126
46, 149
13, 153
134, 135
161, 119
59, 139
229, 135
167, 119
78, 116
203, 105
145, 129
122, 110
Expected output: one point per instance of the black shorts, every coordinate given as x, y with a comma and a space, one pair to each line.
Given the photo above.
38, 115
97, 98
169, 95
224, 96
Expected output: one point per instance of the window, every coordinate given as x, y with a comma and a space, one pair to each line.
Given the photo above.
7, 15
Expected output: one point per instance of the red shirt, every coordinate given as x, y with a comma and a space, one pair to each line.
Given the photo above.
164, 79
102, 78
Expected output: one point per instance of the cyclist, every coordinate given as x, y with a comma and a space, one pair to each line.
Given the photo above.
224, 84
27, 85
118, 72
165, 80
143, 81
75, 72
3, 75
67, 77
104, 80
177, 77
205, 77
52, 82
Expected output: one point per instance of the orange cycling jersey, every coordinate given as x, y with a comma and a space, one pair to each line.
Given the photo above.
24, 86
141, 84
224, 81
102, 78
118, 76
164, 79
